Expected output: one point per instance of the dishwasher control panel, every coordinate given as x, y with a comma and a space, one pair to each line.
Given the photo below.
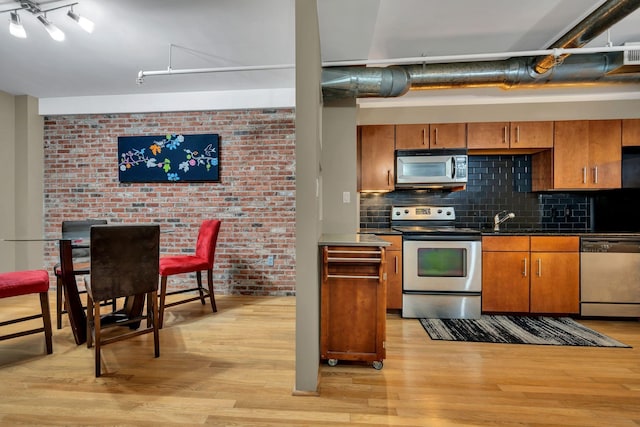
614, 245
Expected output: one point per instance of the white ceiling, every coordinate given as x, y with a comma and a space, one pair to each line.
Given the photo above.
134, 35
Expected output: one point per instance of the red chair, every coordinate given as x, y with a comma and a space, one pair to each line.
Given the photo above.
180, 264
27, 282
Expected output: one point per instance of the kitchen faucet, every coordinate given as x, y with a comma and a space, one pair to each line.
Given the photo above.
497, 220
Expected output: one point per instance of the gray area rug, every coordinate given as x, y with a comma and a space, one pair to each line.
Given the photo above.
518, 330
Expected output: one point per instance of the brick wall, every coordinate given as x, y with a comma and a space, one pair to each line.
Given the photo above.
255, 198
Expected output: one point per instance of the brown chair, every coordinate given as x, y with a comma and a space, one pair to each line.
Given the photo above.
124, 263
78, 233
202, 260
27, 282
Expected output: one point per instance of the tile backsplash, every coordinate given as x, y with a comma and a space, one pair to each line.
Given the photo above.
495, 183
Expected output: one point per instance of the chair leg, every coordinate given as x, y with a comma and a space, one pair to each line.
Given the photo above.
59, 303
46, 319
211, 295
90, 322
152, 298
96, 322
163, 294
199, 279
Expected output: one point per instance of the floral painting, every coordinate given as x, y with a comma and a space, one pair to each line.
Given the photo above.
169, 158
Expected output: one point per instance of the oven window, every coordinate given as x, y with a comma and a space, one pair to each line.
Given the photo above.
442, 262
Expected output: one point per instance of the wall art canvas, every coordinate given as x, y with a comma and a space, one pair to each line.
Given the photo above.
169, 158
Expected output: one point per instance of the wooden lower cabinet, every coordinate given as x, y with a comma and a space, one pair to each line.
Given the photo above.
394, 271
353, 304
531, 274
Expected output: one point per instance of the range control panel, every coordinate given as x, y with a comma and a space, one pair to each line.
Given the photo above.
432, 213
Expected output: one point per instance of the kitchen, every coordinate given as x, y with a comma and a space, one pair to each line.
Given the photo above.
500, 184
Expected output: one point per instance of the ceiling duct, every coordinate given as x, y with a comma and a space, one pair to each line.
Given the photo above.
520, 72
601, 19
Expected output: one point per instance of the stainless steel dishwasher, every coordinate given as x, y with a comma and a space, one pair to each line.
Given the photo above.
610, 276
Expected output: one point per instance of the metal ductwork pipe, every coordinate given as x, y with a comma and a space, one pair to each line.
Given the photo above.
523, 72
360, 82
363, 82
604, 17
515, 72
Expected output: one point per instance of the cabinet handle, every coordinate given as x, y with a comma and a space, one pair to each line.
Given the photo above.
524, 267
584, 175
595, 175
517, 133
539, 267
435, 136
388, 177
504, 135
396, 268
424, 136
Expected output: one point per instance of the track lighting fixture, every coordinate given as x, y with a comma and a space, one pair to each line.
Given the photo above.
55, 32
15, 26
84, 23
17, 30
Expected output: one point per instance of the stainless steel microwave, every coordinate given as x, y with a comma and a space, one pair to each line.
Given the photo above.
431, 168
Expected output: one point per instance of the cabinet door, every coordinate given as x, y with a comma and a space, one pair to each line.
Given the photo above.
605, 154
571, 154
505, 282
488, 135
409, 137
555, 282
447, 135
531, 135
394, 270
631, 132
376, 158
394, 280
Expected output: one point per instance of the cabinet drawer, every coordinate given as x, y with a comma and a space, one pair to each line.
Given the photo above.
555, 243
395, 240
505, 243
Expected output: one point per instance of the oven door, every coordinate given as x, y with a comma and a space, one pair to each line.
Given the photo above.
441, 265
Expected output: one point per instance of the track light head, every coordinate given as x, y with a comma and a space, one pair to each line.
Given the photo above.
15, 26
84, 23
55, 32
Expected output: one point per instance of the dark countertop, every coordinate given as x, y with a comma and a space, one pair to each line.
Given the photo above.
522, 232
351, 239
378, 231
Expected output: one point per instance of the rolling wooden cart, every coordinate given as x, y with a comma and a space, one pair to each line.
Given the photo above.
353, 301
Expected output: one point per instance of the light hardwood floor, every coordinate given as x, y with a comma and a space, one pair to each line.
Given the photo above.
236, 368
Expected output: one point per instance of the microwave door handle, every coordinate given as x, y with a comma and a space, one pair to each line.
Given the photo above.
453, 167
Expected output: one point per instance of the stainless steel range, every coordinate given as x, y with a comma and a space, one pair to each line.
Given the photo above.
442, 264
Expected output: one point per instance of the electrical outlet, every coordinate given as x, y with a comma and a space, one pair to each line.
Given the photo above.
346, 197
270, 260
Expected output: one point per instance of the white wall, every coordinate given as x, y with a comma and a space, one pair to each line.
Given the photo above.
308, 217
579, 110
339, 174
7, 181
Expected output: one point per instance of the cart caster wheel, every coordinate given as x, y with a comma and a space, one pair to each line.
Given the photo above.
377, 365
332, 362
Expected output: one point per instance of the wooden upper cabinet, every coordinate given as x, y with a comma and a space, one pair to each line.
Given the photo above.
494, 135
376, 154
410, 137
587, 154
631, 132
432, 136
447, 135
531, 135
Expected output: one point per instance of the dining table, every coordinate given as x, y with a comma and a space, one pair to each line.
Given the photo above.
132, 307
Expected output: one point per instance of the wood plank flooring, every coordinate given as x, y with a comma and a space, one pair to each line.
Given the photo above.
236, 368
